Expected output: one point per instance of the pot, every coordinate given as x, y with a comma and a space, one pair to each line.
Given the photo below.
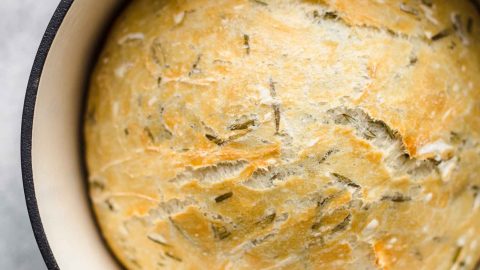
54, 174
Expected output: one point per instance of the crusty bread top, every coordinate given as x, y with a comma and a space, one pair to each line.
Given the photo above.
294, 134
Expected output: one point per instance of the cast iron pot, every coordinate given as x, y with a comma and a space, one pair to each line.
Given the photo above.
51, 141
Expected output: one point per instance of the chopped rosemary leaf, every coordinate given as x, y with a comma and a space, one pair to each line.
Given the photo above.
316, 226
397, 197
158, 54
349, 118
330, 15
260, 2
408, 9
149, 134
456, 255
223, 197
455, 137
440, 35
110, 205
195, 68
275, 106
266, 220
342, 225
276, 111
452, 45
242, 125
413, 60
262, 239
214, 139
246, 43
391, 133
273, 90
345, 180
157, 239
369, 134
97, 184
428, 3
327, 155
470, 25
325, 200
173, 257
220, 232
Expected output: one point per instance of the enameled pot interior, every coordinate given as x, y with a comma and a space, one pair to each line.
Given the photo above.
55, 180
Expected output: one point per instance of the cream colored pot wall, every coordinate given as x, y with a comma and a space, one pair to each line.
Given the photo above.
56, 154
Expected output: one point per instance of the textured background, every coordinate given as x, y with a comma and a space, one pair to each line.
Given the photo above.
22, 23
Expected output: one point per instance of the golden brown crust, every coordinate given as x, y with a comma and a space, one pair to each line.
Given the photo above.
299, 134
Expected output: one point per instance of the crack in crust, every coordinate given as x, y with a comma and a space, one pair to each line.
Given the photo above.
211, 174
335, 16
389, 141
331, 14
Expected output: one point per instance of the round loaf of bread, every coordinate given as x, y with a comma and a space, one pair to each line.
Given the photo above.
288, 134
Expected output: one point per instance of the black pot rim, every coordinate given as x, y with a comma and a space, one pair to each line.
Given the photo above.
26, 132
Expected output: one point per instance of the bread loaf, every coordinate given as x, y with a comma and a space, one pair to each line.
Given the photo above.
288, 134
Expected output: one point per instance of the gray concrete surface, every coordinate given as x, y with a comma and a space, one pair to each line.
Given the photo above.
22, 23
